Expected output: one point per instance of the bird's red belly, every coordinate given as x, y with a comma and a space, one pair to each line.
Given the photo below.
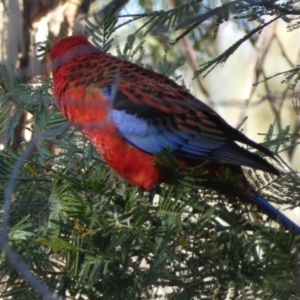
90, 117
129, 162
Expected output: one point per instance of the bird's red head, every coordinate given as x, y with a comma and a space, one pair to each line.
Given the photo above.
67, 48
66, 44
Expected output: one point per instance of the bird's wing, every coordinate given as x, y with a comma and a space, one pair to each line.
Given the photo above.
152, 113
152, 128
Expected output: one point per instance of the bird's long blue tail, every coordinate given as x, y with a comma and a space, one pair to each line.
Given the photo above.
275, 214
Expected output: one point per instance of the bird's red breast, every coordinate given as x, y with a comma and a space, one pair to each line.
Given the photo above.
86, 109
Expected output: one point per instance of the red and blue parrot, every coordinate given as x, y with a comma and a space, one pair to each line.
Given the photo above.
130, 114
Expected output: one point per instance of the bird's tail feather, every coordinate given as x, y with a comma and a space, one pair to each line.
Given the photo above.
275, 214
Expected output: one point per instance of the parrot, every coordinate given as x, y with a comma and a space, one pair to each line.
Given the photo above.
131, 114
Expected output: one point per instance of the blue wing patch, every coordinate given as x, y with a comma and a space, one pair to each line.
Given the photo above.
154, 138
